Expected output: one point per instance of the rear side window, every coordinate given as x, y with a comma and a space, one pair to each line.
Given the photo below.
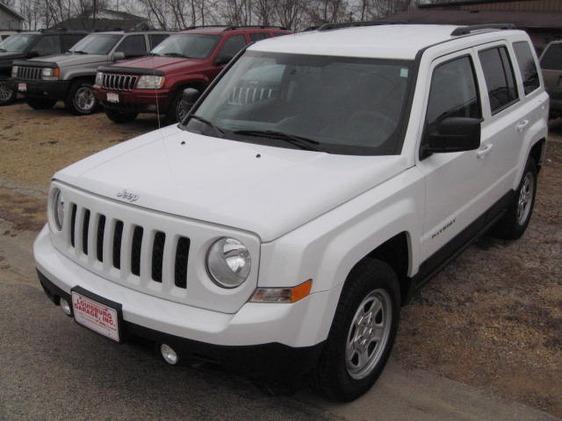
526, 61
552, 57
500, 80
47, 45
256, 36
156, 39
453, 92
133, 46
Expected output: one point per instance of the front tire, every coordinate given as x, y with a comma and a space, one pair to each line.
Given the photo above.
41, 103
515, 221
362, 333
178, 109
120, 117
7, 95
81, 99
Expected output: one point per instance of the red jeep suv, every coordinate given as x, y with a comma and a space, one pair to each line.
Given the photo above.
187, 59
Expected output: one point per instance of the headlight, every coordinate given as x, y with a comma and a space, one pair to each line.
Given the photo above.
15, 71
57, 208
228, 262
150, 82
99, 78
49, 73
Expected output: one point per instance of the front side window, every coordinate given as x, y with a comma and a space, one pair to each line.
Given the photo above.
453, 93
133, 46
187, 45
230, 48
17, 43
527, 65
498, 72
96, 44
47, 45
337, 104
68, 41
156, 39
552, 57
257, 36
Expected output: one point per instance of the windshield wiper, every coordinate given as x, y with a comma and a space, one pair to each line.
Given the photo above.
3, 50
78, 52
299, 141
208, 123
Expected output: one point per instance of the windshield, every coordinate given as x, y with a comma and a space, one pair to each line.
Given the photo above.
552, 58
96, 44
336, 104
17, 43
187, 45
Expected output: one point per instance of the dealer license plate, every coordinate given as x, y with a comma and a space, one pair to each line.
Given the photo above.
112, 97
22, 87
96, 316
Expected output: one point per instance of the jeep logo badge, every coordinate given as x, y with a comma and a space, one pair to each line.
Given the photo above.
128, 196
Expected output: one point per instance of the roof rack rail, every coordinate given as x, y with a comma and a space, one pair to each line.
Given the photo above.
331, 26
466, 30
233, 27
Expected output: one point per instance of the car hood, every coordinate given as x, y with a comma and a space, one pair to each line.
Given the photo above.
165, 64
72, 59
7, 57
265, 190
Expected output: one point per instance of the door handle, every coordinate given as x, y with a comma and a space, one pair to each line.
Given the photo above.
521, 125
483, 151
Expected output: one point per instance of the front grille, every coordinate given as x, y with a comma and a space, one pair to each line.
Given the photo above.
29, 73
126, 242
118, 82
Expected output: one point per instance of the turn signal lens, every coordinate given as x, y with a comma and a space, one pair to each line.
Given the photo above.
282, 295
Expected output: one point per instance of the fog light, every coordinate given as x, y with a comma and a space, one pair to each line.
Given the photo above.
65, 306
169, 355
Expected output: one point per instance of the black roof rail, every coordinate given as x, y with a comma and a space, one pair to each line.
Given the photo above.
466, 30
331, 26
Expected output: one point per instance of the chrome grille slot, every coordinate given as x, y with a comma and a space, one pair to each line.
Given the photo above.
118, 82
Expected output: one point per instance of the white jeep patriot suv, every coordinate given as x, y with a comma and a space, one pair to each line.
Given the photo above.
320, 180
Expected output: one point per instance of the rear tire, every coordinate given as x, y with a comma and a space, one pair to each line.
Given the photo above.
362, 332
41, 103
7, 95
515, 221
81, 99
120, 117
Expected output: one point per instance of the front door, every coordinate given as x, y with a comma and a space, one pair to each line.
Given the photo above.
455, 181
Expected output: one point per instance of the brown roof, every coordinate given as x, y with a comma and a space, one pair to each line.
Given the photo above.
523, 20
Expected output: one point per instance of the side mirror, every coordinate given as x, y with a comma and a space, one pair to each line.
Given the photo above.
33, 54
452, 134
118, 55
189, 97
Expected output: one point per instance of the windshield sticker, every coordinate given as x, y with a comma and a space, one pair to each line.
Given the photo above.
404, 72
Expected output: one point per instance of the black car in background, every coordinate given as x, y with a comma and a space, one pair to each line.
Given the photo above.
29, 45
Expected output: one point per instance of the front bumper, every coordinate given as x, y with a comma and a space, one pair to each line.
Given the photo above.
137, 100
263, 329
55, 89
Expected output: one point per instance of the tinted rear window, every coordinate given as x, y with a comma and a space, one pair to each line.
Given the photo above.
552, 58
527, 65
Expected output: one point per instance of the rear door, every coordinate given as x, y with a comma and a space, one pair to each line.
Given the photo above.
506, 116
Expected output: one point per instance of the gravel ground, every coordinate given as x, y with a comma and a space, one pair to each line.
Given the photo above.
492, 319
